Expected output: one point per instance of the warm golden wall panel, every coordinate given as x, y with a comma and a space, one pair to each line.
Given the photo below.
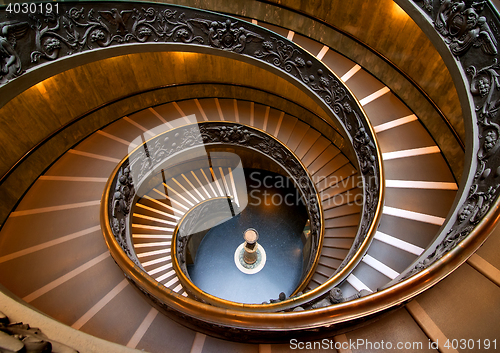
43, 108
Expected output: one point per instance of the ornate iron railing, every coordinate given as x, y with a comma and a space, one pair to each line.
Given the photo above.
467, 36
470, 34
200, 218
153, 155
34, 40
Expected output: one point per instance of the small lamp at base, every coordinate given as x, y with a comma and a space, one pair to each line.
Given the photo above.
251, 236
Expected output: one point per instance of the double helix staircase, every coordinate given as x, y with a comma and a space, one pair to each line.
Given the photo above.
63, 207
52, 254
158, 212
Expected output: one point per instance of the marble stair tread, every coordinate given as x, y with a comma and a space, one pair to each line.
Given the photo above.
74, 296
346, 175
326, 156
124, 130
393, 257
260, 113
103, 146
362, 84
404, 137
273, 120
369, 276
315, 151
329, 262
50, 193
299, 131
39, 228
353, 196
333, 165
335, 253
345, 232
165, 335
427, 167
322, 274
76, 165
149, 120
337, 242
342, 211
230, 108
385, 109
287, 125
170, 114
339, 188
190, 108
426, 201
310, 45
343, 221
337, 62
209, 107
121, 317
27, 274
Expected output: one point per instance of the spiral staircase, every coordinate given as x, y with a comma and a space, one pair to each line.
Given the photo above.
53, 255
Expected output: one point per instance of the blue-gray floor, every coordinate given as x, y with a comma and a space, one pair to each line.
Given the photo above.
279, 225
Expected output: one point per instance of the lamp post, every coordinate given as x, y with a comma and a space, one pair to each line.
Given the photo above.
251, 236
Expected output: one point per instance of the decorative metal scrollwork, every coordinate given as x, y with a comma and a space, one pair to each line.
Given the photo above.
286, 57
120, 201
463, 27
226, 35
470, 30
10, 61
206, 214
159, 149
77, 28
